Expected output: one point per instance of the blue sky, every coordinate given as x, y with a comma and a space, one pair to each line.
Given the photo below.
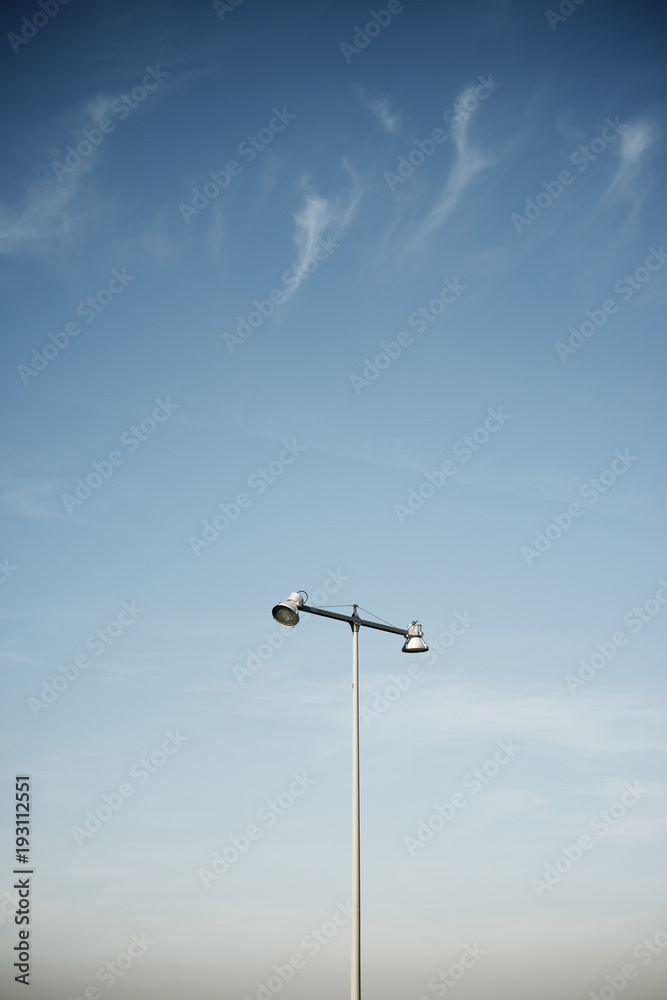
370, 305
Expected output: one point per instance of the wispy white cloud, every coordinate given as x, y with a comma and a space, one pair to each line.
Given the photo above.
33, 500
310, 224
61, 209
381, 109
99, 107
610, 725
469, 162
11, 656
440, 713
321, 217
635, 140
52, 211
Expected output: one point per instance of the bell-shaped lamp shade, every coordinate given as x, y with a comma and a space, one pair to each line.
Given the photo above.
414, 641
287, 612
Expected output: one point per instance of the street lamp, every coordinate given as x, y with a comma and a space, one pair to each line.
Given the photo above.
287, 613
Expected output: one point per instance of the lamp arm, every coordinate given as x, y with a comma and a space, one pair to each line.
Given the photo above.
352, 619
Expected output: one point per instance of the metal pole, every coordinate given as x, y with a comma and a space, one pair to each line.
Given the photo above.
355, 982
355, 623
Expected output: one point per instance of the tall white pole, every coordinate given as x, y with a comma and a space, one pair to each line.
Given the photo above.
355, 983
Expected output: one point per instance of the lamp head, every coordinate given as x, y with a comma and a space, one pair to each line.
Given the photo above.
287, 612
414, 640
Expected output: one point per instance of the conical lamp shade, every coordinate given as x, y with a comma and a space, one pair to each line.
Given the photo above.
414, 642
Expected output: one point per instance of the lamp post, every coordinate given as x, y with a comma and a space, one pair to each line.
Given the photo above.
287, 613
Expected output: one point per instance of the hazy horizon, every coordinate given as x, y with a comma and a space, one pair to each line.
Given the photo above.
368, 301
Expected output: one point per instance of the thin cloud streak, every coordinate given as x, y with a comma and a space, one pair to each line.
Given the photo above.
448, 713
53, 210
35, 500
580, 725
635, 140
469, 162
321, 217
382, 111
